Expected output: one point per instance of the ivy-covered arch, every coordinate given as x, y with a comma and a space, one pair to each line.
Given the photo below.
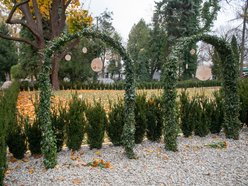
230, 76
44, 113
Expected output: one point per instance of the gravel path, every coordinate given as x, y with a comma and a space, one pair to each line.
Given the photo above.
194, 164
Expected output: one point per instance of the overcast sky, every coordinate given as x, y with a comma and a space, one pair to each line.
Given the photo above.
128, 12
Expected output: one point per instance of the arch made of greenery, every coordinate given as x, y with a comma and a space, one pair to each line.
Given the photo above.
230, 77
44, 114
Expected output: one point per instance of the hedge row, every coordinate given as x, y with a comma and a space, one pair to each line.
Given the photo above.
8, 121
25, 85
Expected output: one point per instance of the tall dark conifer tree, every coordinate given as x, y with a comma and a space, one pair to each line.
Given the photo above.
183, 18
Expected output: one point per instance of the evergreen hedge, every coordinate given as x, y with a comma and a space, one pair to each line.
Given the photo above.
8, 99
217, 113
140, 118
59, 119
76, 123
154, 119
186, 114
243, 95
97, 122
33, 134
28, 86
116, 122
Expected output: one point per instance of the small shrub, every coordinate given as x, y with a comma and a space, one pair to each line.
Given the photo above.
3, 162
58, 118
33, 133
97, 121
186, 108
116, 123
154, 119
75, 127
217, 113
8, 113
200, 115
243, 96
140, 118
16, 142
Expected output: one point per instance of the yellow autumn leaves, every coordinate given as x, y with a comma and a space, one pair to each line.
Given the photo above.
76, 17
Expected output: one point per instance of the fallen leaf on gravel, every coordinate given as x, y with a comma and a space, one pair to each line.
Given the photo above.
76, 181
98, 153
37, 156
25, 160
149, 150
165, 157
30, 170
13, 159
7, 172
61, 178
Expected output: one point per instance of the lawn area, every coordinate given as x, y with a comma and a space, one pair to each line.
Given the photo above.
26, 99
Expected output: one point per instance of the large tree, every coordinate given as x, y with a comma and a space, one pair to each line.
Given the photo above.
137, 47
183, 18
8, 54
46, 20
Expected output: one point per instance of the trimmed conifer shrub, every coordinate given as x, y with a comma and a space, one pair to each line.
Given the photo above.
243, 96
217, 113
58, 119
97, 122
140, 118
16, 142
116, 122
201, 116
154, 119
3, 147
186, 108
8, 99
75, 125
33, 133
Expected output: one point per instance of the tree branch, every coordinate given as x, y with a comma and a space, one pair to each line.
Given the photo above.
19, 40
67, 4
68, 48
38, 16
13, 11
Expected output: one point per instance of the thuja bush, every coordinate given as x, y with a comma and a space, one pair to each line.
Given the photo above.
58, 119
243, 95
154, 119
115, 125
3, 162
186, 114
8, 113
75, 125
16, 142
217, 114
33, 130
201, 117
97, 122
33, 134
140, 118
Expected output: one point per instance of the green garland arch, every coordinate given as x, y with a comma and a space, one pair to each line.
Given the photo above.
230, 74
48, 138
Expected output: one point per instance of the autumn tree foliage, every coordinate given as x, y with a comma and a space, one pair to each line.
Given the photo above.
46, 20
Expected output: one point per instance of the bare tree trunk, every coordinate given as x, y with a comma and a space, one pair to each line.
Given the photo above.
243, 38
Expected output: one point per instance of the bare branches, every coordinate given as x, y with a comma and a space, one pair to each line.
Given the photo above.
38, 16
69, 47
19, 40
9, 19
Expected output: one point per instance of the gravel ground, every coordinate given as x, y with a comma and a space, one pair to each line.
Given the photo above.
194, 164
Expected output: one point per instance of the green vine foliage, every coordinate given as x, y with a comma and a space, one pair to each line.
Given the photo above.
48, 140
230, 78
